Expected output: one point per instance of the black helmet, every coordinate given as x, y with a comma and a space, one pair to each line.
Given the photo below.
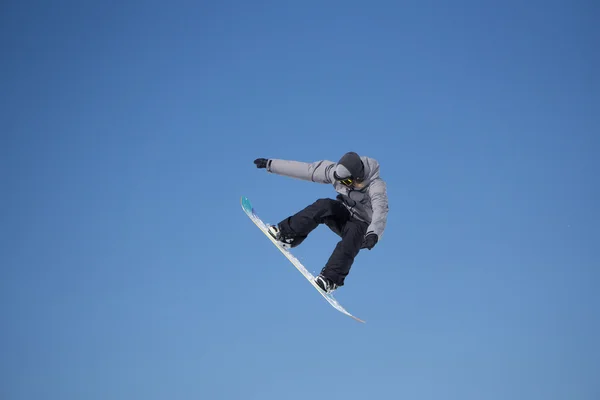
350, 168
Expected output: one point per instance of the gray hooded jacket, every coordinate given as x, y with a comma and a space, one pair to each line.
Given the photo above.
368, 203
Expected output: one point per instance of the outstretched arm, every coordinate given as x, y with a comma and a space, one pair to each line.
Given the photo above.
319, 171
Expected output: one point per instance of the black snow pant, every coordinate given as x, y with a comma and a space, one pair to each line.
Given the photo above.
337, 217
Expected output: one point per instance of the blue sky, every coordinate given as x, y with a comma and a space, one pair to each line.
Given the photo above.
129, 271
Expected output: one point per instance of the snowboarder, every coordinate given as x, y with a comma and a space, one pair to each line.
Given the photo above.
358, 214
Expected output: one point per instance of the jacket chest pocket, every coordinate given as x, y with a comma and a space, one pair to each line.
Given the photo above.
359, 197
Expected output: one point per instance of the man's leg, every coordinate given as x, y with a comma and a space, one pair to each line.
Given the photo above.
323, 211
342, 258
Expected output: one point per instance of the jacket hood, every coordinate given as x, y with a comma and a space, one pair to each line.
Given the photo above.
371, 169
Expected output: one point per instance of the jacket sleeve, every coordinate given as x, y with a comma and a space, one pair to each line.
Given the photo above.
379, 203
319, 171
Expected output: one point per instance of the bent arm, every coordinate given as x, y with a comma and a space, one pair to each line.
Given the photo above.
319, 171
379, 202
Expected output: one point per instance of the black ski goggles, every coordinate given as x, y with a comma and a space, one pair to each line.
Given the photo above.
349, 181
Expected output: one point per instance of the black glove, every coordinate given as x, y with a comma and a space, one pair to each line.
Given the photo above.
370, 241
261, 162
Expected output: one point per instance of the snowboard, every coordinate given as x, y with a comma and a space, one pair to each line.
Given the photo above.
249, 210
